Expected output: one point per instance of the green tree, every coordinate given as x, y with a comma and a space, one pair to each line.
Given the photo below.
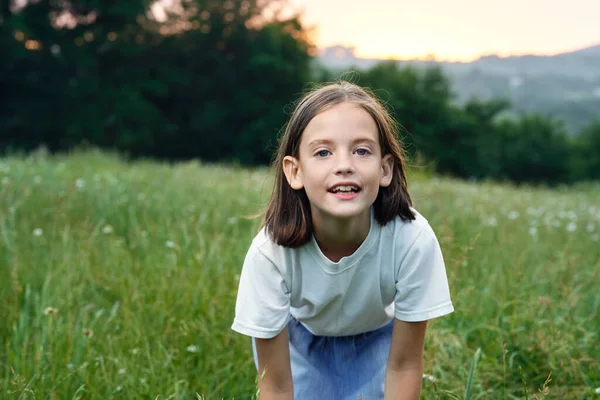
239, 71
586, 153
74, 73
535, 149
485, 141
210, 81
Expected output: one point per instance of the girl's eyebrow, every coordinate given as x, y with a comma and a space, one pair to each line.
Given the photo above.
327, 141
319, 142
367, 140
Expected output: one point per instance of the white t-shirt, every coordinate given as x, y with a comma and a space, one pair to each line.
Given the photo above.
398, 271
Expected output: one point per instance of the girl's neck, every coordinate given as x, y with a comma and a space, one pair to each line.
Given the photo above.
339, 238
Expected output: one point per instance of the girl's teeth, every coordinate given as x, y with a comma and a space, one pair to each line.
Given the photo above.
345, 189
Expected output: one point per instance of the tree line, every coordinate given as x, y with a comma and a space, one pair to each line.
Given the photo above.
215, 80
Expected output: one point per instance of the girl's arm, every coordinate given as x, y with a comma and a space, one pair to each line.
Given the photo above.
274, 369
404, 371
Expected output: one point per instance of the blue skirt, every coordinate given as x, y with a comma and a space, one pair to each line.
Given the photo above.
337, 367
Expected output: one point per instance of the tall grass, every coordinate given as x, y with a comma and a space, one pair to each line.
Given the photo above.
118, 280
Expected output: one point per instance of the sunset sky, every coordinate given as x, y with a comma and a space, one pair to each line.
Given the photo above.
453, 29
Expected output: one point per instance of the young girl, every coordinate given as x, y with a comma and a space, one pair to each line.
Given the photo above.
337, 287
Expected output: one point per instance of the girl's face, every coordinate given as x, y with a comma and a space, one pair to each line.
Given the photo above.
340, 165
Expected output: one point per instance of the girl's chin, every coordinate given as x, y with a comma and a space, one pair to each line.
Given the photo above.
341, 212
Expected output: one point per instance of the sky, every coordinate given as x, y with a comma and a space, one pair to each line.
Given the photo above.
457, 30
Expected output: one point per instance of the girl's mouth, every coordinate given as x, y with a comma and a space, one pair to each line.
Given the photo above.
345, 192
348, 188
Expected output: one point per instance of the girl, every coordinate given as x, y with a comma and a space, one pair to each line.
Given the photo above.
337, 287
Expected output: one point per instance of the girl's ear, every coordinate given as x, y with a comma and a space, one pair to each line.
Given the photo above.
387, 170
291, 169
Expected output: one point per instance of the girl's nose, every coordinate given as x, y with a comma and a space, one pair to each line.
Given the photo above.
344, 166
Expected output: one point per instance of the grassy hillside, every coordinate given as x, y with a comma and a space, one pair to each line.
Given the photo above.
118, 280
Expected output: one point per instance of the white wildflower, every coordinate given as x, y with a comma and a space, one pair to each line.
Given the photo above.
491, 221
143, 381
38, 232
170, 244
430, 378
192, 348
50, 310
79, 183
122, 371
513, 215
597, 391
590, 227
118, 389
533, 231
107, 229
562, 214
572, 227
37, 179
134, 351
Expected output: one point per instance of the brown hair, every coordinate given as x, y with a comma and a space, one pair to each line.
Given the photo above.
288, 216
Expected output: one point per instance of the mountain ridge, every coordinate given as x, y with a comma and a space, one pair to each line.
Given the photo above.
342, 56
592, 48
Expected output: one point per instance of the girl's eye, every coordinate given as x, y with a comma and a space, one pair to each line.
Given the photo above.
322, 153
362, 152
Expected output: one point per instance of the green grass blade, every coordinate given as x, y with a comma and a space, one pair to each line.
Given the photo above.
471, 373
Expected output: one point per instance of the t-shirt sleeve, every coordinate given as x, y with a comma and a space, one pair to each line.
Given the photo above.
262, 307
422, 291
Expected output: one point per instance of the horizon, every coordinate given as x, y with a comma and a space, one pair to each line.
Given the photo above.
321, 51
410, 30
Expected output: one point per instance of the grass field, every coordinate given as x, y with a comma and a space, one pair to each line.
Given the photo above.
118, 280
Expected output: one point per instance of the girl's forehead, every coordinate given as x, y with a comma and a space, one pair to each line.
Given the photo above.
342, 122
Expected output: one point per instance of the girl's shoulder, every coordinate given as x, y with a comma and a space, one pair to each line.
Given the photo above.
413, 227
263, 243
406, 234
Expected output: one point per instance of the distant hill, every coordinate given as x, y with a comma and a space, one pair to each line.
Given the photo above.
564, 86
588, 51
584, 63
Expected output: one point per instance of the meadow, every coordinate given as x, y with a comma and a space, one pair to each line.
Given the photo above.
118, 280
